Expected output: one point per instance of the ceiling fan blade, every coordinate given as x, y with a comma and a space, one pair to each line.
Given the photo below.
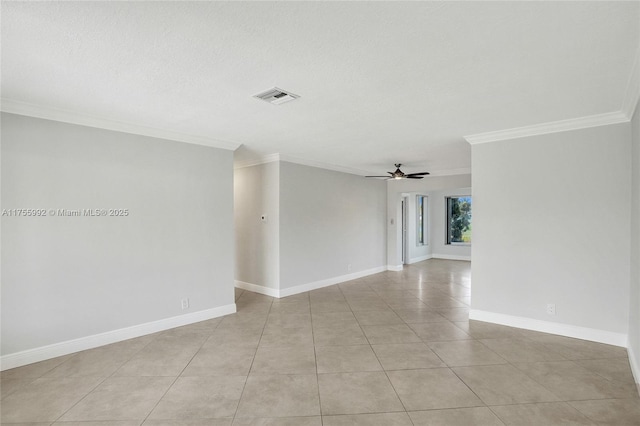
398, 174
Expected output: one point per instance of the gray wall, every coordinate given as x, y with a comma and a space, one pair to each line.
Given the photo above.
634, 297
257, 193
70, 277
551, 225
328, 220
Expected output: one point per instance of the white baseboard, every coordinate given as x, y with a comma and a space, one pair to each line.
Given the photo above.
635, 368
329, 281
420, 258
279, 293
19, 359
273, 292
584, 333
450, 257
395, 268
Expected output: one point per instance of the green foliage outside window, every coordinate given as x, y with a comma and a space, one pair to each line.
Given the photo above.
459, 218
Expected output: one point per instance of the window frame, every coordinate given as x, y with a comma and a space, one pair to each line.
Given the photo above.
422, 220
447, 220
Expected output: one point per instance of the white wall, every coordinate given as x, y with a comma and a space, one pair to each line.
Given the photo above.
257, 193
69, 278
433, 187
634, 296
329, 220
551, 225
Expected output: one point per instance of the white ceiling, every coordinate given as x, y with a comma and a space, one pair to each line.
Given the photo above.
380, 82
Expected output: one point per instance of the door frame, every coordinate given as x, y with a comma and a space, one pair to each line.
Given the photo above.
404, 228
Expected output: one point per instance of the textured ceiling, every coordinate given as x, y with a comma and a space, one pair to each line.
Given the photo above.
380, 82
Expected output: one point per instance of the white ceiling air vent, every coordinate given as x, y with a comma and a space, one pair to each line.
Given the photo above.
276, 96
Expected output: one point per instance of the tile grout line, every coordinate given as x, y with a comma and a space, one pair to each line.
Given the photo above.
97, 385
253, 360
135, 353
81, 399
315, 355
381, 366
33, 379
179, 374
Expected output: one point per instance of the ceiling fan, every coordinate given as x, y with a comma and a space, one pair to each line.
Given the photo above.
398, 174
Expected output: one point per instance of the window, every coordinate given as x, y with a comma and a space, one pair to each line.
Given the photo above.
459, 220
421, 222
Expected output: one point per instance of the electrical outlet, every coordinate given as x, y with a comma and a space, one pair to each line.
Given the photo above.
185, 303
551, 308
349, 267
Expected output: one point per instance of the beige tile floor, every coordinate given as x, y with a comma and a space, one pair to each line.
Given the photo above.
395, 348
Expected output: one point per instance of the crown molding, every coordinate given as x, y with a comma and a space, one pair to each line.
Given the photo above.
550, 127
256, 162
451, 172
326, 166
632, 93
304, 162
49, 113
